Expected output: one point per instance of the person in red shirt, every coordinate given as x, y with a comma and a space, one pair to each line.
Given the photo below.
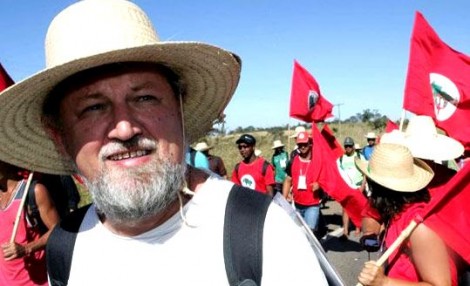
399, 193
301, 182
253, 172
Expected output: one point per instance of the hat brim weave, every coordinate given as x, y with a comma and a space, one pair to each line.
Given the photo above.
422, 175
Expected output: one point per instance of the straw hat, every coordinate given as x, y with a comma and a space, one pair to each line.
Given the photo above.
202, 146
393, 167
277, 144
258, 152
422, 139
297, 130
394, 137
92, 33
371, 135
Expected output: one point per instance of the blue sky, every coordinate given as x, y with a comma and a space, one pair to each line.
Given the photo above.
357, 50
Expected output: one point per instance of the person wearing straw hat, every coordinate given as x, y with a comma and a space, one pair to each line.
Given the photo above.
118, 106
279, 160
369, 148
398, 184
216, 164
22, 261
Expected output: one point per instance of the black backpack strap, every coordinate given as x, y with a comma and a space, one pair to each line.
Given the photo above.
60, 245
265, 167
243, 235
237, 166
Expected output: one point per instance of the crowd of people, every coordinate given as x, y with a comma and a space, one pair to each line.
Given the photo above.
122, 109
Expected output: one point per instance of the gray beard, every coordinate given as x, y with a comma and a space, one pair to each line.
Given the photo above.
129, 196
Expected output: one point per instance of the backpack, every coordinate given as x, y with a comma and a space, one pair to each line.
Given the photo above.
242, 245
263, 169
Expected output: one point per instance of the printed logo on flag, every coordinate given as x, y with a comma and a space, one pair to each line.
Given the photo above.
248, 181
312, 99
445, 94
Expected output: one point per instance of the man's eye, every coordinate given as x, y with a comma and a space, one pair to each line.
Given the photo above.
146, 98
93, 107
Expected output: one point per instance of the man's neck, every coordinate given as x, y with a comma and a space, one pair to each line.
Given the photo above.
250, 159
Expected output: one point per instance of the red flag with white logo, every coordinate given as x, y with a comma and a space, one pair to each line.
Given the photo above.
438, 82
306, 102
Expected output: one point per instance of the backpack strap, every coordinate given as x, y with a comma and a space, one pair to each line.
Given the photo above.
265, 167
32, 213
237, 166
243, 235
60, 245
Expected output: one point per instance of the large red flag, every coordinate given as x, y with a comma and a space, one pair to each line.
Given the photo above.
438, 82
448, 213
333, 143
306, 102
330, 180
5, 79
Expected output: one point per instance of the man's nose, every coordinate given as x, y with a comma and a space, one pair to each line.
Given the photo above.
124, 129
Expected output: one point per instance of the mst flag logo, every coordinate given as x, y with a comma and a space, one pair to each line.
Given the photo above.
312, 99
445, 94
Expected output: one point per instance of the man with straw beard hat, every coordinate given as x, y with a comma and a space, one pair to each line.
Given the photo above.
398, 192
120, 107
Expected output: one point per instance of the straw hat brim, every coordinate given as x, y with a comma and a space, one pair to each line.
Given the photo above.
422, 175
209, 75
438, 147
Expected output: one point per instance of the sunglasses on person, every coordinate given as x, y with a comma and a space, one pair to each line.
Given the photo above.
348, 146
301, 145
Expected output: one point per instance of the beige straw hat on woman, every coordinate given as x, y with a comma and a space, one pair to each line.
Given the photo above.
91, 33
393, 167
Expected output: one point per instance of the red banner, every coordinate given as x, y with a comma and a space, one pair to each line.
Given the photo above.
306, 102
448, 213
330, 180
332, 142
391, 126
438, 82
5, 79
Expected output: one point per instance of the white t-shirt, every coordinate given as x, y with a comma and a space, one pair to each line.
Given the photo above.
176, 253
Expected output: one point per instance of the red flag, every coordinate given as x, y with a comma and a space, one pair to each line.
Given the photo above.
306, 102
5, 79
438, 82
330, 138
330, 180
448, 213
391, 126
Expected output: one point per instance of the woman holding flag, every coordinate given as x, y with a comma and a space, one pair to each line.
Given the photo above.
398, 191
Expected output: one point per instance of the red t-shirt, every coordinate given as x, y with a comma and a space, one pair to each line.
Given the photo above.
251, 176
403, 267
27, 271
303, 194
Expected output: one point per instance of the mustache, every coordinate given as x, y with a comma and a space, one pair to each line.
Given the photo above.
133, 144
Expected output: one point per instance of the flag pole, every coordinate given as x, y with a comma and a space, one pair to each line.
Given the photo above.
20, 208
403, 235
402, 119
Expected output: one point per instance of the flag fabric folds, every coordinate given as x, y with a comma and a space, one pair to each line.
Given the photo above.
448, 213
306, 102
331, 181
5, 79
438, 82
330, 138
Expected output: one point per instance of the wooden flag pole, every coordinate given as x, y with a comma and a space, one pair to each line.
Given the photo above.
403, 235
402, 119
20, 208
